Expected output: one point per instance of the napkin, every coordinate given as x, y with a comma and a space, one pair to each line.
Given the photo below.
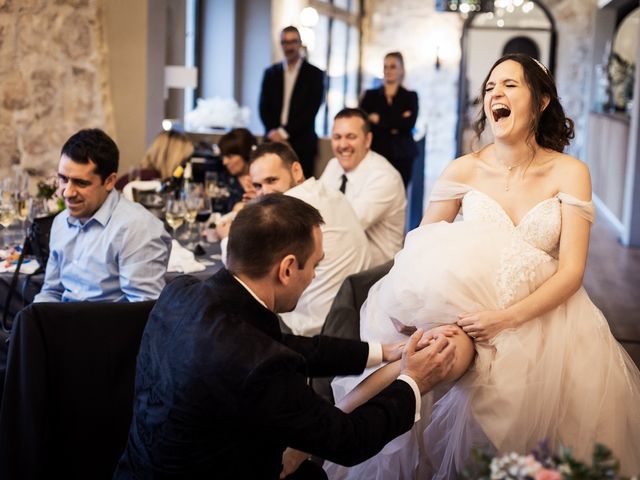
146, 185
182, 260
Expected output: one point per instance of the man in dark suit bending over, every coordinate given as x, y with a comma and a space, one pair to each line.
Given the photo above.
292, 92
220, 392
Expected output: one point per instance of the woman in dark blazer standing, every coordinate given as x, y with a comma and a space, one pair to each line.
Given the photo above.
393, 111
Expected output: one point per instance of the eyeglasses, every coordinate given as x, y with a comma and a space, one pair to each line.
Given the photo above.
289, 42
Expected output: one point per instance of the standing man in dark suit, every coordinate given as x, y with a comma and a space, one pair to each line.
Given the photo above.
220, 392
291, 95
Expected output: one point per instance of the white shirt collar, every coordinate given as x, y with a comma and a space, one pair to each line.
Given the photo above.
251, 292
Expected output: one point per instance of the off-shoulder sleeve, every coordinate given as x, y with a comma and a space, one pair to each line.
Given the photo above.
585, 209
448, 190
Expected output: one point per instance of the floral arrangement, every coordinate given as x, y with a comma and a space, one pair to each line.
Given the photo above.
48, 191
217, 112
542, 464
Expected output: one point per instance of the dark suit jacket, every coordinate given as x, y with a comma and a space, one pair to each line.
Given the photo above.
306, 98
392, 136
220, 392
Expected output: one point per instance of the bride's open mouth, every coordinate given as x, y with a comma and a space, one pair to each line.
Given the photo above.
500, 111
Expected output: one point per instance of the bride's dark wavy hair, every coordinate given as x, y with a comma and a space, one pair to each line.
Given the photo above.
551, 127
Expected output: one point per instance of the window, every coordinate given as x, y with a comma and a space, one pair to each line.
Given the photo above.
333, 44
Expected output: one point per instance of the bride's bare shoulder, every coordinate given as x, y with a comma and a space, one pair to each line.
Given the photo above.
572, 176
462, 168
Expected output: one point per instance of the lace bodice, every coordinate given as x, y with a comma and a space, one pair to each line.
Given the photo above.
532, 242
540, 227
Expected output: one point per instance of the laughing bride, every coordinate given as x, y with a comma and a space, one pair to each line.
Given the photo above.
509, 275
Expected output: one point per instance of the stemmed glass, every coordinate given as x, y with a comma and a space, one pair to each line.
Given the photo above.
7, 215
204, 212
192, 199
37, 207
176, 211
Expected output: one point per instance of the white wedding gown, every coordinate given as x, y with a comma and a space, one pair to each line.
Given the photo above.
561, 377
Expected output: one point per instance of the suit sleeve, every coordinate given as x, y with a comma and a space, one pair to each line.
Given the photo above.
330, 356
313, 98
366, 102
285, 405
264, 100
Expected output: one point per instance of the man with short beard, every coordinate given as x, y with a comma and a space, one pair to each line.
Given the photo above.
275, 168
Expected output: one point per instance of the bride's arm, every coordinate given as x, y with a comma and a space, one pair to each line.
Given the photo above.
457, 172
574, 245
383, 377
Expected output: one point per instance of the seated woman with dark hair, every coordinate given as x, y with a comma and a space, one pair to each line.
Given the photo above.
235, 148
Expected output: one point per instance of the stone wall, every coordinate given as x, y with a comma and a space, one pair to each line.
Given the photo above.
53, 79
414, 28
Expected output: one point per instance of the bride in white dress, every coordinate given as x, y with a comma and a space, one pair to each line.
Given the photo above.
510, 276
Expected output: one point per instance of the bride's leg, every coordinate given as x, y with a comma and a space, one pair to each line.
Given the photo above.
383, 377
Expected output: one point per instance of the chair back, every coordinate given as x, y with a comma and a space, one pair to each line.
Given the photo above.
68, 393
343, 319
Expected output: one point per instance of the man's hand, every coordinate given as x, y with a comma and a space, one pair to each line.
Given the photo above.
374, 118
429, 365
291, 461
275, 136
222, 228
392, 351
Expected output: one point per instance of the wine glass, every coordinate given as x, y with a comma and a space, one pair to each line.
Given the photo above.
7, 216
204, 212
192, 199
175, 213
37, 208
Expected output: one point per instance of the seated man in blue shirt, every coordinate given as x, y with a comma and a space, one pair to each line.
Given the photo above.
103, 248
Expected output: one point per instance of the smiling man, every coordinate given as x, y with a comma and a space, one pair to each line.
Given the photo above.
275, 169
373, 187
103, 247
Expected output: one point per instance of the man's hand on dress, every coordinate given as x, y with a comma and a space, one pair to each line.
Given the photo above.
429, 365
485, 325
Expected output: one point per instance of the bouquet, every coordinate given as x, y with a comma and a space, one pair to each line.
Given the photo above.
542, 464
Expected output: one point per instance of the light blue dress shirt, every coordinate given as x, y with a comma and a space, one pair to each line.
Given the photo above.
120, 254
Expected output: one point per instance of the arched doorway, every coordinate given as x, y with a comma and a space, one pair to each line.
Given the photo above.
524, 27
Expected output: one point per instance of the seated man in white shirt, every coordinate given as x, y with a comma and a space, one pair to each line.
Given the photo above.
372, 185
103, 248
275, 168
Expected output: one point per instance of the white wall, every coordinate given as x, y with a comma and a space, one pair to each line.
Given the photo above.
485, 47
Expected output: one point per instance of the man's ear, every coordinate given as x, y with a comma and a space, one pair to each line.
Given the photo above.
297, 173
285, 268
110, 181
369, 139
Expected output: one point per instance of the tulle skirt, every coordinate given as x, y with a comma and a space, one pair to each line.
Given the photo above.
561, 377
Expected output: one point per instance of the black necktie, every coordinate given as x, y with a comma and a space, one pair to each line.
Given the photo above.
343, 185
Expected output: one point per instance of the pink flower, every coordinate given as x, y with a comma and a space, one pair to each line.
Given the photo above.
545, 474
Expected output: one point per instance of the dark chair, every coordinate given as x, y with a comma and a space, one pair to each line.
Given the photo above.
343, 319
68, 392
